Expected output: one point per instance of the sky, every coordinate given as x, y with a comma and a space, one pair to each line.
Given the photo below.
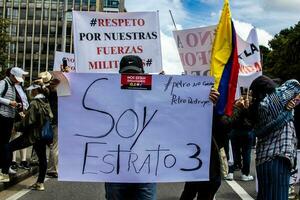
268, 16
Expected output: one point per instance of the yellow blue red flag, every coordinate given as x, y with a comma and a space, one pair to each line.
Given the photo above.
224, 62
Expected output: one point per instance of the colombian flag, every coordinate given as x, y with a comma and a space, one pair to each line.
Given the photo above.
224, 62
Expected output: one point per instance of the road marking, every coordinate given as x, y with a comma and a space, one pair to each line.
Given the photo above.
21, 193
239, 190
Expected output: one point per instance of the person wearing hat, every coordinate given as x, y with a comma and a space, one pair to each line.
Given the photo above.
31, 126
133, 191
8, 106
51, 83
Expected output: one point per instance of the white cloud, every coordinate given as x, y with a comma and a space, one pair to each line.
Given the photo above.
282, 5
163, 7
212, 14
268, 16
243, 29
170, 57
210, 1
272, 15
171, 60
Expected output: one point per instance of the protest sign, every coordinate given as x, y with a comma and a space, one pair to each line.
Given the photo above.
102, 39
194, 48
249, 59
58, 61
161, 134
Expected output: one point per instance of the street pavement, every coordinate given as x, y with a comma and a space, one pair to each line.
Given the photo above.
91, 191
56, 190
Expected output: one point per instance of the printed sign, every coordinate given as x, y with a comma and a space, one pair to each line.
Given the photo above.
102, 39
115, 135
136, 82
64, 61
194, 47
249, 59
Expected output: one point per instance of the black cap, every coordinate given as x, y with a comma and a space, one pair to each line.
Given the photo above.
131, 64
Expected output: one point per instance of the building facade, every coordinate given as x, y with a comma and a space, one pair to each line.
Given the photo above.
38, 28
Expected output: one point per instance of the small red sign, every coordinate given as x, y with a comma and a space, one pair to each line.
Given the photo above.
136, 81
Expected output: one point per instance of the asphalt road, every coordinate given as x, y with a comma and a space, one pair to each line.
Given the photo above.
56, 190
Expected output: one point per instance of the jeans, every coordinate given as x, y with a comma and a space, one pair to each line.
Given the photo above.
241, 142
204, 190
273, 179
130, 191
40, 148
6, 125
53, 154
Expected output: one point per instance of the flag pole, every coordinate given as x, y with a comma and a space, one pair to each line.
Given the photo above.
173, 19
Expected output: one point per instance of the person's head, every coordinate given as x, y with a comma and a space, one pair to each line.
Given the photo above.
37, 87
48, 80
131, 64
262, 86
17, 75
46, 77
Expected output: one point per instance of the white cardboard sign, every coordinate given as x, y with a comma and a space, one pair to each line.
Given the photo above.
58, 61
194, 48
120, 135
102, 39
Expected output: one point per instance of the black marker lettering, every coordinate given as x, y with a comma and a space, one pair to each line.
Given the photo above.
137, 124
195, 156
88, 156
92, 109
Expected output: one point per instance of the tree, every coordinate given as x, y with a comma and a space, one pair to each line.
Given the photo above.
4, 39
283, 61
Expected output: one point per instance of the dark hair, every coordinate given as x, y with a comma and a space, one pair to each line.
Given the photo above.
260, 87
7, 71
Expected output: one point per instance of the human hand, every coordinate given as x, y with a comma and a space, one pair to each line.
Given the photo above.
13, 104
22, 115
290, 105
240, 103
214, 95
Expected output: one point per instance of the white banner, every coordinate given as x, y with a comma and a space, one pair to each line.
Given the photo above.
249, 59
194, 47
158, 134
102, 39
58, 61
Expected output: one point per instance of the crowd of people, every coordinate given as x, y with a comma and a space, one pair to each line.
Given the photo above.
264, 116
17, 115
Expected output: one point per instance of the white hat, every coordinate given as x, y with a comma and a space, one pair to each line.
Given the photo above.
46, 77
33, 86
18, 73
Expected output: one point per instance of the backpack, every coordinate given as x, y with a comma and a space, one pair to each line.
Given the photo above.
47, 132
5, 89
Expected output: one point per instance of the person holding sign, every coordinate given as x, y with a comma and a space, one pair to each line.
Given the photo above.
207, 189
130, 191
51, 83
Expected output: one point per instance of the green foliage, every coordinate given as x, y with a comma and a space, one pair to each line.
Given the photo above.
283, 61
4, 39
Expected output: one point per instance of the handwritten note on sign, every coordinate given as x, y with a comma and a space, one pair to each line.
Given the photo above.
118, 135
